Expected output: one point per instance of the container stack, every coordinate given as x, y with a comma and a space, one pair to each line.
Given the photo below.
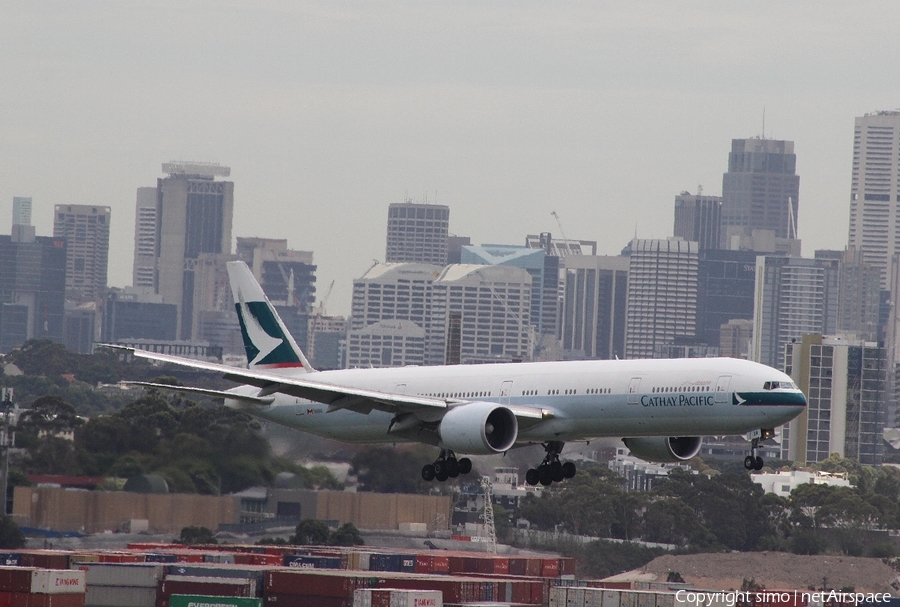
390, 597
30, 587
217, 587
120, 584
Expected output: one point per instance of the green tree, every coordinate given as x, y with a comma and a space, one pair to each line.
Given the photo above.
10, 534
194, 535
310, 532
346, 535
386, 470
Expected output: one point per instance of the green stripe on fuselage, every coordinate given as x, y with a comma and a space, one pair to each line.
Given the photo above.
769, 399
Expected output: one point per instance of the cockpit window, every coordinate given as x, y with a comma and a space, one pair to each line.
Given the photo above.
783, 385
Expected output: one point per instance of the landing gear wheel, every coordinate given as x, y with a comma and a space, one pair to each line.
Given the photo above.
452, 467
544, 475
428, 472
441, 476
758, 463
749, 462
556, 472
754, 461
440, 468
532, 477
465, 465
568, 470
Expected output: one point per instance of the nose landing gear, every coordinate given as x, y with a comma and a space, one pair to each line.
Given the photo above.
446, 466
754, 461
551, 469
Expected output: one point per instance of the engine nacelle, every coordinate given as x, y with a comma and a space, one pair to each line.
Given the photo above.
664, 449
479, 429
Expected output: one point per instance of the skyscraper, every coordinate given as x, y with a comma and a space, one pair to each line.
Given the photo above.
844, 382
794, 297
86, 230
189, 221
417, 233
699, 218
761, 189
875, 190
594, 304
662, 294
725, 289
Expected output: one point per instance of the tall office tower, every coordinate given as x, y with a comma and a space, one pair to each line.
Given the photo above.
288, 277
725, 288
32, 288
388, 323
417, 233
146, 238
325, 344
480, 314
793, 297
189, 218
544, 270
86, 230
595, 297
859, 298
875, 189
137, 313
22, 230
761, 188
699, 218
21, 211
735, 338
844, 383
662, 295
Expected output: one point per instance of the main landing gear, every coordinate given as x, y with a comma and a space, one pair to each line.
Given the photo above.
551, 469
446, 466
754, 461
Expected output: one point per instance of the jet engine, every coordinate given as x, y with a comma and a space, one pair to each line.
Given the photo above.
479, 429
664, 449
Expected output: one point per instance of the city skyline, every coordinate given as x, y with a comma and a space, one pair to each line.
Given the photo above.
327, 117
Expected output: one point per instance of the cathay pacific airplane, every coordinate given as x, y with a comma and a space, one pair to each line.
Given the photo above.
662, 408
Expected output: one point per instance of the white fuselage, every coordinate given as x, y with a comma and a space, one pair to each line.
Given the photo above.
583, 399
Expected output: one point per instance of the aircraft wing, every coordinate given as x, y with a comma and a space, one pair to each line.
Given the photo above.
336, 397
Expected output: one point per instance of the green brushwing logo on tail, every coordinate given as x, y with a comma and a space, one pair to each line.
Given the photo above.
264, 340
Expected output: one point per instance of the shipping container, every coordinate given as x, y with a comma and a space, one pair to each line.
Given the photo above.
187, 600
397, 598
300, 561
120, 596
44, 559
136, 575
182, 584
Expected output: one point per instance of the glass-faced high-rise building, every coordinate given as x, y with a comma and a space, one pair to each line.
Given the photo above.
761, 189
875, 190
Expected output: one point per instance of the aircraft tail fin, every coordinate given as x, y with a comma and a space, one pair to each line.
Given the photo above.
268, 343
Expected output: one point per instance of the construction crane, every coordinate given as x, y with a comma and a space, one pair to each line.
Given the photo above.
320, 309
489, 528
561, 233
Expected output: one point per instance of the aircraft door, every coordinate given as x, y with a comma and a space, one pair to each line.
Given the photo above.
722, 388
633, 389
505, 391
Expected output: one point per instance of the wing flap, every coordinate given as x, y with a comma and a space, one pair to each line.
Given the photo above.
255, 400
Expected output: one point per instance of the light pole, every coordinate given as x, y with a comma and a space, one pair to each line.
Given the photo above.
6, 440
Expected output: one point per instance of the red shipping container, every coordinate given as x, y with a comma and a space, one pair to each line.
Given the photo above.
22, 599
121, 557
45, 559
297, 600
424, 563
440, 564
566, 566
549, 567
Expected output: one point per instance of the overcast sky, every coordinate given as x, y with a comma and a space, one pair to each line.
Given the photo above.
327, 111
